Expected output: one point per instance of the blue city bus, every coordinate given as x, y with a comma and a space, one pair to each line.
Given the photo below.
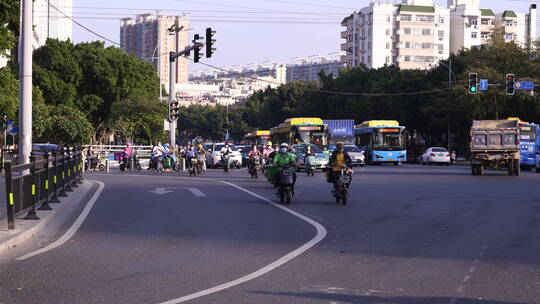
529, 143
383, 141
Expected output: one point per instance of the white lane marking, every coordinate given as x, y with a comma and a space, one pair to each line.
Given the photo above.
160, 191
197, 192
321, 234
73, 229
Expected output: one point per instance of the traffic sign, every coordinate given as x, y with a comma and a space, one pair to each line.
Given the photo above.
524, 85
483, 84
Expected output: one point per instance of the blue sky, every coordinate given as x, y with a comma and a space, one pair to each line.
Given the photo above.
283, 29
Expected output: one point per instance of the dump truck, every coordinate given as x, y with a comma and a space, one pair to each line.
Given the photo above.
495, 145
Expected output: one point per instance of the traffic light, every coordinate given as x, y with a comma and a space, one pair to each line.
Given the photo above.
210, 42
197, 49
510, 80
173, 110
473, 83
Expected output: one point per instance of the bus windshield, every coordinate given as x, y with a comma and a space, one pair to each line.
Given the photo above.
388, 141
527, 134
313, 137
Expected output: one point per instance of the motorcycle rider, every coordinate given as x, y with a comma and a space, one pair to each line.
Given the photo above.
226, 150
202, 151
267, 149
157, 152
254, 152
309, 152
273, 154
339, 158
128, 154
283, 158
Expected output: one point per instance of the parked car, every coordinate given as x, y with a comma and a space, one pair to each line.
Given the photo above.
356, 154
435, 155
215, 156
321, 158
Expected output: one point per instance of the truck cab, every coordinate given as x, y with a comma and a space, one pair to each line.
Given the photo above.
495, 145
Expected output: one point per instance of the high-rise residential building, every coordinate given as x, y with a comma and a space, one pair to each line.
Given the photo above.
51, 19
418, 34
472, 25
149, 38
412, 35
309, 70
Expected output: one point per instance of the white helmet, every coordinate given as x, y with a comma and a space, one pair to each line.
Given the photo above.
284, 145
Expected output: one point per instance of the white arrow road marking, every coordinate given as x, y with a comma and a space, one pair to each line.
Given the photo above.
160, 191
321, 234
197, 192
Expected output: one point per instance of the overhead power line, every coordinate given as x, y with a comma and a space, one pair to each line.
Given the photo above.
84, 27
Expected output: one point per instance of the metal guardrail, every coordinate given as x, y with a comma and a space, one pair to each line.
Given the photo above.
41, 182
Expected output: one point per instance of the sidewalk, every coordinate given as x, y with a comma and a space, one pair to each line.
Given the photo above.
26, 229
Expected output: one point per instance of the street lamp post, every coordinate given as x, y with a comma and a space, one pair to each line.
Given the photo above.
450, 74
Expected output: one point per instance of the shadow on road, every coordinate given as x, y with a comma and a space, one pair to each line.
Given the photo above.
364, 299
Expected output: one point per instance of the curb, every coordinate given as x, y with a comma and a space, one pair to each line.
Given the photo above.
20, 235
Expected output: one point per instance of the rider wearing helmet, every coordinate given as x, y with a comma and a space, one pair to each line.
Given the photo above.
338, 159
284, 158
267, 149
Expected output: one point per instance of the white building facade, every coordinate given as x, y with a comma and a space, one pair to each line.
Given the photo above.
51, 19
472, 25
309, 70
412, 35
418, 34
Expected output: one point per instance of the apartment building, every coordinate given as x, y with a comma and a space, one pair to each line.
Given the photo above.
309, 70
51, 20
148, 38
472, 25
412, 35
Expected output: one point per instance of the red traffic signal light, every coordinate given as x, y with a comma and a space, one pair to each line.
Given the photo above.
510, 82
173, 110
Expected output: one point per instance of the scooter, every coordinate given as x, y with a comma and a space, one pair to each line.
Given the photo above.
226, 161
341, 185
127, 161
286, 185
255, 166
310, 165
96, 164
157, 166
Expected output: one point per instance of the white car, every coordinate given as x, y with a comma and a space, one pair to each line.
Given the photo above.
356, 154
215, 156
435, 155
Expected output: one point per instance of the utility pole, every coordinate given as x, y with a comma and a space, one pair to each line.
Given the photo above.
449, 99
48, 18
25, 91
172, 79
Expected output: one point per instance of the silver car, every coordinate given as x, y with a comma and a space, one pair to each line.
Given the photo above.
356, 154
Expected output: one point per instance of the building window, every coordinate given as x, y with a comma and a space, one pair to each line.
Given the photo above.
486, 22
407, 58
426, 32
440, 47
407, 31
405, 17
388, 18
441, 34
473, 21
427, 45
484, 35
388, 32
423, 18
388, 45
474, 35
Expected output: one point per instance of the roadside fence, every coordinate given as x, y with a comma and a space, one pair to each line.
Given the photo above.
38, 184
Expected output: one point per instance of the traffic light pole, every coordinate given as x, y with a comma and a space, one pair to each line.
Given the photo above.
172, 90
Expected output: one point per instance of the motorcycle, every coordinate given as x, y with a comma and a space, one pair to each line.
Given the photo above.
169, 164
286, 185
310, 165
255, 166
341, 185
157, 167
96, 164
226, 160
127, 162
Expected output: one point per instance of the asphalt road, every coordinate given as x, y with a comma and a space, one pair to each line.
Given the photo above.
409, 234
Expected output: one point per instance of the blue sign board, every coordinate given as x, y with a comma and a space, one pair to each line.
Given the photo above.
524, 85
483, 84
